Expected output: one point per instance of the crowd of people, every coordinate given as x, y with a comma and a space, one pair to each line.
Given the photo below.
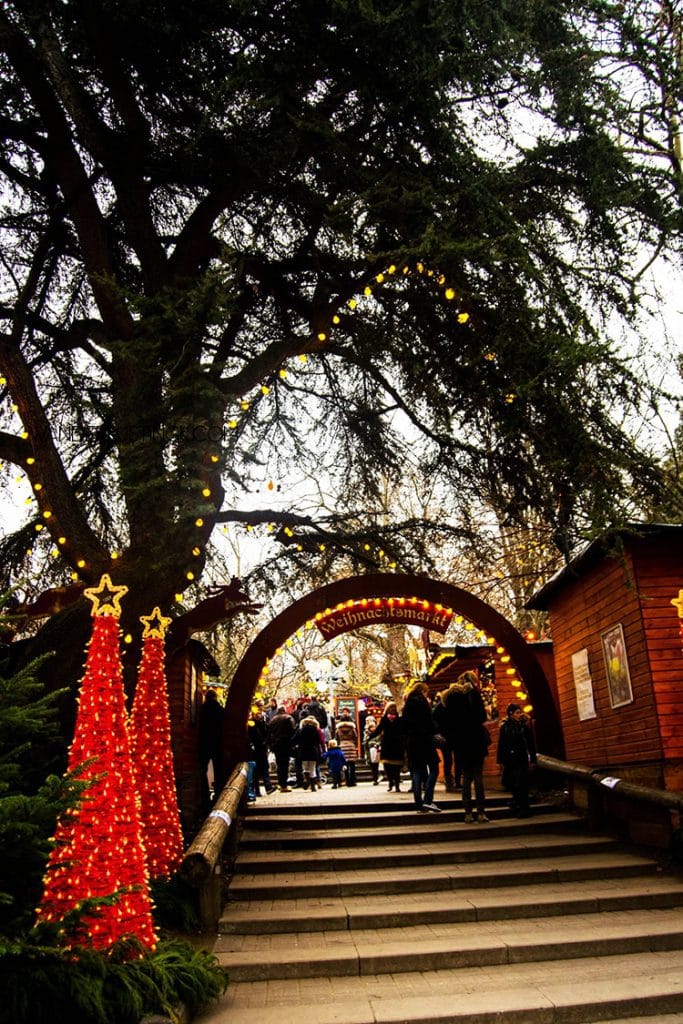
302, 745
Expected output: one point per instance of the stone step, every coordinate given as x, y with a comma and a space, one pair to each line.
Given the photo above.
394, 808
448, 946
659, 1018
378, 850
479, 904
311, 832
622, 988
392, 879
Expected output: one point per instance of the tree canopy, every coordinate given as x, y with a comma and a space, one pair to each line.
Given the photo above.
349, 239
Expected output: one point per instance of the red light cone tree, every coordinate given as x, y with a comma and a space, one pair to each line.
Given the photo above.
98, 849
150, 735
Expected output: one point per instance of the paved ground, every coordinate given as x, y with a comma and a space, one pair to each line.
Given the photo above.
364, 792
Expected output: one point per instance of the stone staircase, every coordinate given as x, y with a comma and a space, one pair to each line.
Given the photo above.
350, 907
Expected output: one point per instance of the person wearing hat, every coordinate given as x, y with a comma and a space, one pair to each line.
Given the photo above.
371, 748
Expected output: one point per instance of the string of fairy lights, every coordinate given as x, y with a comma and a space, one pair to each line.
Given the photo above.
47, 521
511, 682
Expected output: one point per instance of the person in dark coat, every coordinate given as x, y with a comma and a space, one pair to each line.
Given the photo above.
420, 734
316, 709
257, 733
516, 752
211, 746
281, 729
392, 752
452, 772
464, 718
310, 742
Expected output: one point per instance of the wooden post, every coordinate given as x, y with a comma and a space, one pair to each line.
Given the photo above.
201, 866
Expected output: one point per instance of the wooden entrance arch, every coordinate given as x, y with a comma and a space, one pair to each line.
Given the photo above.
483, 616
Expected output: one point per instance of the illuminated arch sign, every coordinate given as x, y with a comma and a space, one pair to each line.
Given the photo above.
393, 610
420, 594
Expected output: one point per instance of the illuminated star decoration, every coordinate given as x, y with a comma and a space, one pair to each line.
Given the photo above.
155, 624
677, 602
106, 598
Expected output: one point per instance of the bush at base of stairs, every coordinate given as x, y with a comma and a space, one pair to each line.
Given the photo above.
44, 985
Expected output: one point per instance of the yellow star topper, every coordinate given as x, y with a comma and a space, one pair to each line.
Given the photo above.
677, 602
105, 597
155, 624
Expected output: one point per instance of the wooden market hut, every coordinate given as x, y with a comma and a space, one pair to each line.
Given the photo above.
618, 658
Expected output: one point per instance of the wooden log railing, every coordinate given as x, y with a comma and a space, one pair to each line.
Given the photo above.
593, 776
601, 788
201, 865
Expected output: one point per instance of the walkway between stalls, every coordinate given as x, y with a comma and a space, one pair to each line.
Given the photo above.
349, 907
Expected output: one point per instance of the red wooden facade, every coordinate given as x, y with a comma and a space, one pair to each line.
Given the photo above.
628, 580
186, 670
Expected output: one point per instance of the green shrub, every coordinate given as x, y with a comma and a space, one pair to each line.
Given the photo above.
175, 905
46, 985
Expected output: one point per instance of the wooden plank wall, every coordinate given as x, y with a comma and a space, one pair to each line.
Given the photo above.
184, 740
617, 738
658, 567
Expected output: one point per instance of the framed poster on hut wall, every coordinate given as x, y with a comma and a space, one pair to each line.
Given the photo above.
616, 666
583, 684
